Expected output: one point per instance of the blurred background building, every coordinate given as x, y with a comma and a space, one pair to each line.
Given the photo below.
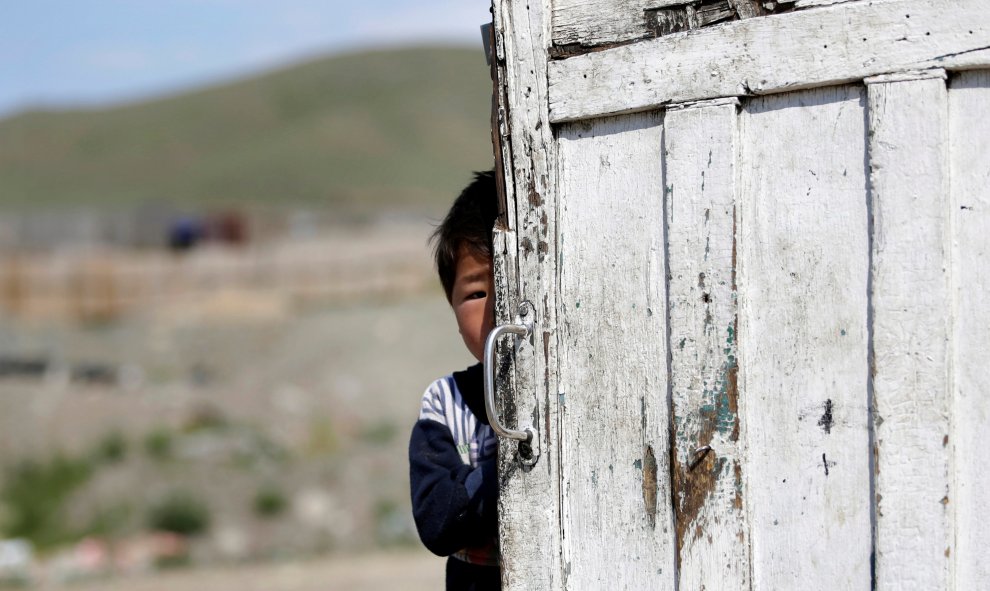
217, 307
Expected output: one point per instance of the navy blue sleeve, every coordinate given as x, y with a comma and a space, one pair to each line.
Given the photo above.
454, 505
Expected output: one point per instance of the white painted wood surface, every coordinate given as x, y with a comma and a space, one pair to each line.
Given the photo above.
700, 151
596, 225
810, 48
969, 130
529, 508
615, 419
910, 301
809, 3
803, 339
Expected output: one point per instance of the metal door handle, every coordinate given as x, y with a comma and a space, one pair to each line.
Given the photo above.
528, 446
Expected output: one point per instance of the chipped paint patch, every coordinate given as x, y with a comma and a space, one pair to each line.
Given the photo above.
706, 13
650, 485
695, 479
826, 421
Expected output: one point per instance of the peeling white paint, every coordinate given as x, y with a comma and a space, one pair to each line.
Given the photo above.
969, 133
909, 180
829, 194
700, 153
780, 53
803, 267
613, 356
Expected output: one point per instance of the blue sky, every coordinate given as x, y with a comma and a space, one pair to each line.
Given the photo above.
63, 53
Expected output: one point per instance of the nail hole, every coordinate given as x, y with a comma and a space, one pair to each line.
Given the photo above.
525, 451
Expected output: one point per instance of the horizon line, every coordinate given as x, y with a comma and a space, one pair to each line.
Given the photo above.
171, 90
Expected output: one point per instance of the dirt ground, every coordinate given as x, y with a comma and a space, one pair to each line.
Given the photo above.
316, 405
410, 570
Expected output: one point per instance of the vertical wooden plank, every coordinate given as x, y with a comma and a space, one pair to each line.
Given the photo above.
803, 267
910, 303
617, 523
529, 507
969, 131
504, 269
700, 142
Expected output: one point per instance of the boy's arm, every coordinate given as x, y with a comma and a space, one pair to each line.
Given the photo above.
453, 503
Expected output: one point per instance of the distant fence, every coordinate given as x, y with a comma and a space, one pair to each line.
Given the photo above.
147, 227
105, 284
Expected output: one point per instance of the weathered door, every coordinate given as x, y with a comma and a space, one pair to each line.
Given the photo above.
754, 236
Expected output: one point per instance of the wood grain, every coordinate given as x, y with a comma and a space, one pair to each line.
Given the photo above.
700, 150
843, 240
803, 338
597, 22
969, 130
815, 47
592, 22
910, 302
618, 533
529, 508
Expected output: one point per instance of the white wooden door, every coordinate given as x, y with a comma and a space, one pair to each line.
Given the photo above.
755, 237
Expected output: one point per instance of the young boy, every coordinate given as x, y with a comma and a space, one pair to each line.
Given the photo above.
452, 449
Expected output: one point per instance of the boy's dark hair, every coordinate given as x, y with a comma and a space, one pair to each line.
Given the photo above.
468, 223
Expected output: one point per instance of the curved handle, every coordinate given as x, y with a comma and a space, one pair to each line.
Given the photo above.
528, 435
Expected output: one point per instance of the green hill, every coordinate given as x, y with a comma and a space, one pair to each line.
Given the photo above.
360, 132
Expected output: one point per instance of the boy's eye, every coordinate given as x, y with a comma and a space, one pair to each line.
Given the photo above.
477, 295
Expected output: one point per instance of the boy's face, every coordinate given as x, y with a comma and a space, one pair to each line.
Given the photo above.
473, 300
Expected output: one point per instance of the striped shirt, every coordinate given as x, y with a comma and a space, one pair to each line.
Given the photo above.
475, 441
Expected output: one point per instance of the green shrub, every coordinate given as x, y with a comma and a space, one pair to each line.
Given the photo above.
34, 495
112, 448
158, 444
180, 513
269, 501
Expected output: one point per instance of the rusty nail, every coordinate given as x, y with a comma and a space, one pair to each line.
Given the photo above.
699, 454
